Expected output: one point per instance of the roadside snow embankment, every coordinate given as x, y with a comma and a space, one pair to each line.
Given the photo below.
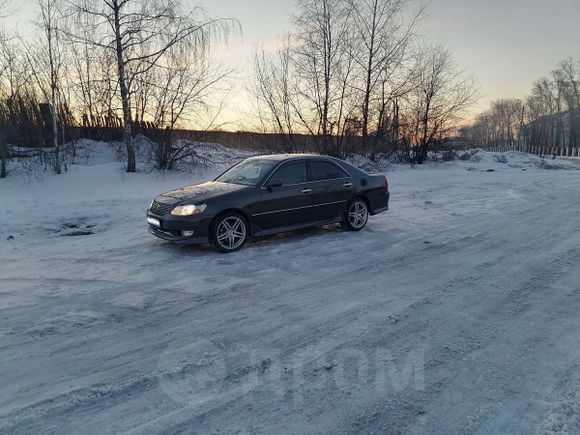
518, 160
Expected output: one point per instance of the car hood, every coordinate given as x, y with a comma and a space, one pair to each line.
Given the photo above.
201, 192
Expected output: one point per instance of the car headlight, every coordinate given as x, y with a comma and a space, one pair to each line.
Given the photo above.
188, 210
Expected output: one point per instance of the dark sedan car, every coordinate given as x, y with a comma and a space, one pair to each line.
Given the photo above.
265, 195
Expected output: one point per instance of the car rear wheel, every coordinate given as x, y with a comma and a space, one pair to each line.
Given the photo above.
229, 232
357, 215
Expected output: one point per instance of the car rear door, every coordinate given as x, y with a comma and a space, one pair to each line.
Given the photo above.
286, 204
332, 188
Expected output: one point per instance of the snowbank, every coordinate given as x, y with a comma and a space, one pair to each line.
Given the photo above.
518, 160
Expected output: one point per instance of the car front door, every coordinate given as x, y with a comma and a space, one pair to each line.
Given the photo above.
285, 197
332, 188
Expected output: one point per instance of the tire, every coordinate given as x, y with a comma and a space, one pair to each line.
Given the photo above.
356, 215
229, 232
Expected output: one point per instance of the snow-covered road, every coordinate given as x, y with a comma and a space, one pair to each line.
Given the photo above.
456, 312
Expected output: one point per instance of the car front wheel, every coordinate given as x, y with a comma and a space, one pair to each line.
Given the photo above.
230, 232
357, 215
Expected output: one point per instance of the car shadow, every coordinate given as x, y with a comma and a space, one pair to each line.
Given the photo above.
275, 239
292, 236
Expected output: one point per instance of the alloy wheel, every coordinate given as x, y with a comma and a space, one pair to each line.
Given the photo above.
231, 233
358, 214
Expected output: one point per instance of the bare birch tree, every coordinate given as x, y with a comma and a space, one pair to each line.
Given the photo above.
339, 73
47, 66
140, 33
181, 96
45, 61
382, 51
441, 95
567, 80
3, 112
322, 46
6, 8
274, 88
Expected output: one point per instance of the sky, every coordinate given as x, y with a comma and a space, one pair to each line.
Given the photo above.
505, 44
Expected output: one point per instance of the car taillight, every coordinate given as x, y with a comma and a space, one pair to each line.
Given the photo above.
385, 184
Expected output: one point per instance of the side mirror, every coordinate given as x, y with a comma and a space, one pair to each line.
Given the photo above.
274, 183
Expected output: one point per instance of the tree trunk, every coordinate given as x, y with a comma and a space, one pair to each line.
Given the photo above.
368, 81
53, 97
422, 147
3, 158
55, 143
127, 130
165, 149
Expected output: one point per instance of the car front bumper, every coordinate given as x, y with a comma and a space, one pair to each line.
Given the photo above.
177, 229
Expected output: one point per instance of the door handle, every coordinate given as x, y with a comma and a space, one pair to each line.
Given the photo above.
347, 184
306, 190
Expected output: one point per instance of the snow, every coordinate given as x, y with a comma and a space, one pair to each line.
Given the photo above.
456, 311
515, 159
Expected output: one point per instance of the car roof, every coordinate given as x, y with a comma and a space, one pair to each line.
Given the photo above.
351, 169
284, 157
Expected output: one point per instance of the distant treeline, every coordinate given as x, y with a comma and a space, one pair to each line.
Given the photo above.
548, 118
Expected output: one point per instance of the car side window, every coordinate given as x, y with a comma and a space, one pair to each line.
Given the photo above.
291, 173
326, 171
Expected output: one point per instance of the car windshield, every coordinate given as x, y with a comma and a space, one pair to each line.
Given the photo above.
248, 172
